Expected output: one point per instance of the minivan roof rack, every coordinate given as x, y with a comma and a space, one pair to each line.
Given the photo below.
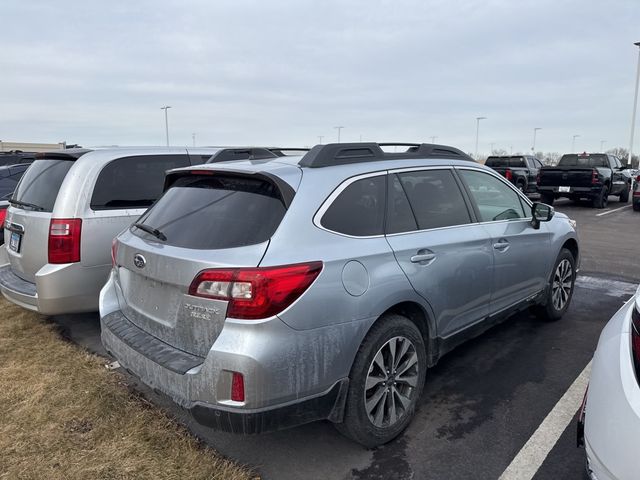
332, 154
227, 154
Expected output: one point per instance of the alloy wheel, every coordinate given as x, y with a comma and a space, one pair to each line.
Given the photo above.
562, 283
391, 382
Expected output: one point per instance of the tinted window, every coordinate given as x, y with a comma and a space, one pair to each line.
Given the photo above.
40, 183
359, 209
399, 215
573, 160
495, 200
435, 198
215, 212
7, 186
133, 182
497, 162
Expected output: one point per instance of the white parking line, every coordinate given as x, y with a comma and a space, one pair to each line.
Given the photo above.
611, 211
529, 459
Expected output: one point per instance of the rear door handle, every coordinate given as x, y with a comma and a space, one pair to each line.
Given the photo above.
423, 257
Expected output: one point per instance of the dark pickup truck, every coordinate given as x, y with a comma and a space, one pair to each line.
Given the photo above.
592, 176
521, 170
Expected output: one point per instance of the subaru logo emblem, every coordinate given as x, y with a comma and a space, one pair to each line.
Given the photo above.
139, 261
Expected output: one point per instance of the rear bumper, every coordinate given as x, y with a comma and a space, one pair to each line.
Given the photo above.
582, 191
286, 379
612, 412
58, 289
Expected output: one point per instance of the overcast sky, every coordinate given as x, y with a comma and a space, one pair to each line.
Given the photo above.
284, 72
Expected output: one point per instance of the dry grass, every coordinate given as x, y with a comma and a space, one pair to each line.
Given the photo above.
63, 415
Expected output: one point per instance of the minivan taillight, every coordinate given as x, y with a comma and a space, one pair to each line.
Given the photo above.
64, 240
255, 293
594, 177
508, 175
635, 334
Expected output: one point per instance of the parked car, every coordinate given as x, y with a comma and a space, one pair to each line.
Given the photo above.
9, 176
609, 421
592, 176
636, 194
521, 170
65, 212
262, 295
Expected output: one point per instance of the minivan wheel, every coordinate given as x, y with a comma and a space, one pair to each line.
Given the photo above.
560, 291
386, 381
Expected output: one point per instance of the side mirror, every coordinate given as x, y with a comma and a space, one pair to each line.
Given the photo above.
541, 212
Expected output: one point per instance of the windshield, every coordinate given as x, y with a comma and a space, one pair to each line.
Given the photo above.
573, 160
214, 213
40, 183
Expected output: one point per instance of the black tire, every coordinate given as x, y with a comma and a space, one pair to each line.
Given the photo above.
546, 197
636, 207
624, 194
602, 198
356, 424
548, 309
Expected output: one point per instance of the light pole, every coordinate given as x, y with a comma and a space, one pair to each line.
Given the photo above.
166, 121
433, 139
320, 137
511, 147
339, 130
533, 147
478, 133
193, 136
635, 105
573, 143
602, 142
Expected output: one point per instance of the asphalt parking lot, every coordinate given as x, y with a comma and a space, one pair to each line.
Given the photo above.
482, 403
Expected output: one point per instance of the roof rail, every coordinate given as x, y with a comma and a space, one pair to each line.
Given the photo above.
332, 154
241, 153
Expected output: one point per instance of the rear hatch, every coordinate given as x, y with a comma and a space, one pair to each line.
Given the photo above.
204, 220
31, 209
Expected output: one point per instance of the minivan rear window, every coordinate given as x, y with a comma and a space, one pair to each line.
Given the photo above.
215, 212
41, 182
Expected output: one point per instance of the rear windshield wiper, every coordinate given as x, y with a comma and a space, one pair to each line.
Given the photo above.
26, 204
151, 231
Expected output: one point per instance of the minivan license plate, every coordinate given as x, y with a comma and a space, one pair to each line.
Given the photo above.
564, 189
14, 242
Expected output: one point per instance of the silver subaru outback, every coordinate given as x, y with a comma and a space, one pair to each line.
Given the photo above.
265, 294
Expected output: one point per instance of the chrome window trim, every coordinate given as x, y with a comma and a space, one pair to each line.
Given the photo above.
332, 197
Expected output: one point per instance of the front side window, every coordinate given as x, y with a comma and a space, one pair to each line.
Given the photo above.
359, 209
435, 198
494, 199
133, 182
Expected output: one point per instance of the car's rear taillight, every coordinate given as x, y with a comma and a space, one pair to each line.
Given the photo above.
635, 333
255, 293
114, 252
594, 177
3, 215
64, 240
508, 174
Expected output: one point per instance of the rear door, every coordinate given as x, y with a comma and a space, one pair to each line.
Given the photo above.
521, 253
445, 255
618, 178
28, 217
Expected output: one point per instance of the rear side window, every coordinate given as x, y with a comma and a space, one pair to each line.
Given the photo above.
435, 198
359, 209
133, 182
400, 217
41, 182
215, 212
